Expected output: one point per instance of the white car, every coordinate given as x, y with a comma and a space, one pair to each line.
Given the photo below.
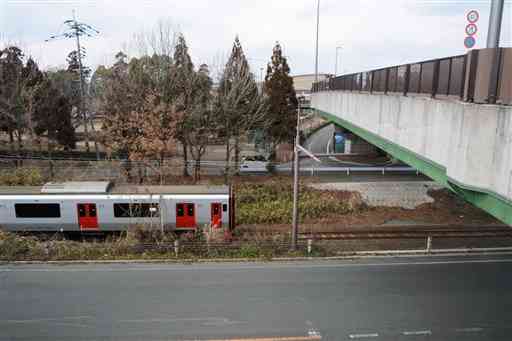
254, 164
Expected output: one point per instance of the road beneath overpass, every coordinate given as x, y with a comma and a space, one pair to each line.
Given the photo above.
437, 298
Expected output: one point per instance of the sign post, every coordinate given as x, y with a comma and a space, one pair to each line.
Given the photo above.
471, 29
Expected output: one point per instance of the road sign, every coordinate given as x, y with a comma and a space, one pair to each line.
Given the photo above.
469, 42
473, 16
471, 29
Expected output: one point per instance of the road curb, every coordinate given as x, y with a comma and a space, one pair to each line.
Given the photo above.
344, 256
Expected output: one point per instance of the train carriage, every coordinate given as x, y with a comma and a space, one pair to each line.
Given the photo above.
102, 206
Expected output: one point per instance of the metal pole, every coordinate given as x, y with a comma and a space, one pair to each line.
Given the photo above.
316, 49
295, 217
336, 63
495, 19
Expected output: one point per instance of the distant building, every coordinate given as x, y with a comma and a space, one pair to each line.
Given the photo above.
303, 84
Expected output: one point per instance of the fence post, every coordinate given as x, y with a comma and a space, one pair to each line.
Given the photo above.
407, 79
176, 247
386, 81
435, 78
429, 244
310, 246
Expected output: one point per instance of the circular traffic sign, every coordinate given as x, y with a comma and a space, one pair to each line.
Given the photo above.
473, 16
471, 29
469, 42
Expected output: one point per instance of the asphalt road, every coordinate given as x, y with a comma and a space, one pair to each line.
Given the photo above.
436, 298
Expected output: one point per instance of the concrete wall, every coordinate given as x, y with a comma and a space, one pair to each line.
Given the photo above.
472, 141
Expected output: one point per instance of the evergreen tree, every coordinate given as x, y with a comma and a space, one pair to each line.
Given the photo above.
278, 87
181, 93
239, 106
200, 119
12, 115
52, 116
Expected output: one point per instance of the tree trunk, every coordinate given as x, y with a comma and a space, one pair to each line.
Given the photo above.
128, 169
52, 173
20, 149
197, 168
185, 158
228, 156
237, 150
96, 149
141, 173
162, 160
11, 140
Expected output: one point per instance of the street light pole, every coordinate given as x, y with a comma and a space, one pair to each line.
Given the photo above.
336, 63
493, 41
495, 19
295, 214
316, 49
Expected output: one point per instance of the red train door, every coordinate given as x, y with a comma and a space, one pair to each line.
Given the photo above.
216, 215
87, 217
185, 215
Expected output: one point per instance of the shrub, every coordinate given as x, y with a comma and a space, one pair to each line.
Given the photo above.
21, 177
272, 202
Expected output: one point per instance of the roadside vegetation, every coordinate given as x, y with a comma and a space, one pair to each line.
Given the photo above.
271, 202
144, 245
21, 177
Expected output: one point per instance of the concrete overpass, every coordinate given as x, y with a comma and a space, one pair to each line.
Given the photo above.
449, 118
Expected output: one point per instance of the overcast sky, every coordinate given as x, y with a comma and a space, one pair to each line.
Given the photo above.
373, 33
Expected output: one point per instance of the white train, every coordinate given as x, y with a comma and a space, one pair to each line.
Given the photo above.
101, 206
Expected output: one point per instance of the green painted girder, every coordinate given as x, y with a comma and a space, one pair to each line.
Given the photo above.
493, 203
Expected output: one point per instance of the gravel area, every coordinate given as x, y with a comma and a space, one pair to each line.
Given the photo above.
407, 195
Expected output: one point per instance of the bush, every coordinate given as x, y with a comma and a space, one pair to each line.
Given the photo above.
22, 177
272, 203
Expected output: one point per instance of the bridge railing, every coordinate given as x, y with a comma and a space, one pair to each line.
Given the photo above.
469, 77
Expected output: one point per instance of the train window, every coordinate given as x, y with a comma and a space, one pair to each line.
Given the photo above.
92, 210
125, 210
81, 210
37, 210
224, 207
179, 210
190, 210
215, 209
122, 210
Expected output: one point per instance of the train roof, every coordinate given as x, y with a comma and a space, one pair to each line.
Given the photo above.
100, 187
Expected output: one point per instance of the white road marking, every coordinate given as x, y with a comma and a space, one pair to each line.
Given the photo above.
196, 267
41, 320
417, 332
363, 336
469, 330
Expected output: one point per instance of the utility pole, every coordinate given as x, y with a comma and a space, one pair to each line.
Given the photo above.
296, 154
75, 30
317, 29
296, 163
81, 80
495, 20
336, 62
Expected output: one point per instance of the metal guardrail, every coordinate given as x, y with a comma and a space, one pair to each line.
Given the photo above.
349, 170
480, 76
443, 76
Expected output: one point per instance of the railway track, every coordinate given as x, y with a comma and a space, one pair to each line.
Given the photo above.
416, 232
